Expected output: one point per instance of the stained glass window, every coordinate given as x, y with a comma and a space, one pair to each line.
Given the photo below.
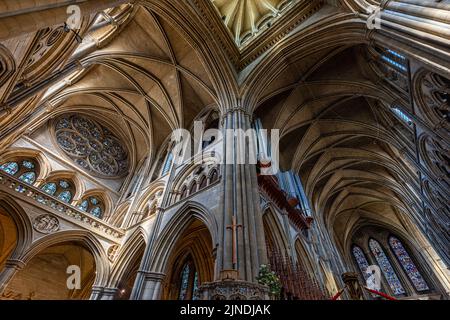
28, 177
167, 164
403, 116
93, 205
28, 164
96, 212
24, 171
184, 282
10, 168
408, 265
64, 184
65, 196
386, 267
91, 145
361, 260
194, 295
214, 176
84, 205
49, 188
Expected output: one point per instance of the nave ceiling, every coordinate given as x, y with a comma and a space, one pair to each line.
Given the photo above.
159, 68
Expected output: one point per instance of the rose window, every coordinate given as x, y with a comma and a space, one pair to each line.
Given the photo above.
92, 146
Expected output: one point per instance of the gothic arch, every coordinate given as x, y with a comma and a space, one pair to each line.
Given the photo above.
71, 176
103, 196
274, 232
303, 256
119, 214
194, 247
78, 236
22, 223
381, 232
175, 227
127, 263
38, 156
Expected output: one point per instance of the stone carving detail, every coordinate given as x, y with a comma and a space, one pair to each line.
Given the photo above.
46, 223
232, 290
112, 252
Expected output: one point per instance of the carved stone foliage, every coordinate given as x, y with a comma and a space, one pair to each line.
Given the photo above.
46, 223
112, 252
91, 145
232, 290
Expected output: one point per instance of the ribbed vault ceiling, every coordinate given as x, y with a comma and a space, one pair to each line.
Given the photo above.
336, 134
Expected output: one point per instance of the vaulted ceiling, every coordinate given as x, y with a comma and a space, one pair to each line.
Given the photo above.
336, 133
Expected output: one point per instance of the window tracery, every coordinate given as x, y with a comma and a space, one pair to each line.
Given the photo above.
60, 189
91, 145
25, 170
93, 205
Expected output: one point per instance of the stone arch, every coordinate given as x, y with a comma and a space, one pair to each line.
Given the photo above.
46, 272
175, 227
79, 187
22, 224
193, 249
119, 214
36, 155
274, 233
127, 264
303, 256
103, 196
79, 236
382, 232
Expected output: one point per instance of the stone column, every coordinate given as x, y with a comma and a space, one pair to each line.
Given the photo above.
241, 200
152, 285
11, 267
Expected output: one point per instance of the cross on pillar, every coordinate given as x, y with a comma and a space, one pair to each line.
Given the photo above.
233, 227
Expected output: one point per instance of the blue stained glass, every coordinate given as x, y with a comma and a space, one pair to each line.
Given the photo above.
65, 196
28, 164
10, 168
361, 260
408, 265
394, 63
386, 267
64, 184
402, 115
84, 205
184, 282
167, 164
96, 212
49, 188
28, 177
398, 55
194, 296
94, 201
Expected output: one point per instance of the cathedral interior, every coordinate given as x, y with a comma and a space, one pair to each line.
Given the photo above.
357, 92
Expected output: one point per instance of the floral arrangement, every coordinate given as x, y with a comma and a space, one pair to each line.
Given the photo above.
270, 279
